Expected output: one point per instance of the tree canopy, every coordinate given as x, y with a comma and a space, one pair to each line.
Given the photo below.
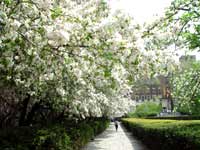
76, 58
181, 20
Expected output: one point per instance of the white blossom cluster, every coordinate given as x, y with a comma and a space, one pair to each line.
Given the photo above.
76, 56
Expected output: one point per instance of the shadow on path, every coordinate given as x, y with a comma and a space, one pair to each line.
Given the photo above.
112, 140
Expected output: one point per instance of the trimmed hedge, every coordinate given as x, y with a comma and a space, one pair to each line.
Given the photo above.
54, 137
166, 134
86, 131
176, 117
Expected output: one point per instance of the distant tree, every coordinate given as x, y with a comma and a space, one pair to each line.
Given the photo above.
146, 109
186, 89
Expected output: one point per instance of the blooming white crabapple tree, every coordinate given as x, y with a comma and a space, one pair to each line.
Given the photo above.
76, 59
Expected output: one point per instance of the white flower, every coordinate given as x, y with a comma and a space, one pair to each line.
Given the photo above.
58, 37
118, 37
78, 72
16, 57
61, 91
44, 4
8, 77
16, 24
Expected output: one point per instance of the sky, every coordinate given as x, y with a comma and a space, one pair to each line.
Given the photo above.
141, 10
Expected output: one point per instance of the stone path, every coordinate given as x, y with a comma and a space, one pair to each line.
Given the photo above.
112, 140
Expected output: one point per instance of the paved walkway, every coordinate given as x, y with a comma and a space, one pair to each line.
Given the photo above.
112, 140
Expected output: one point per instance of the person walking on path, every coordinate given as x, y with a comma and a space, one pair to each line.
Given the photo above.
116, 125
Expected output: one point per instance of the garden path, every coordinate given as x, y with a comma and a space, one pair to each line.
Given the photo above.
112, 140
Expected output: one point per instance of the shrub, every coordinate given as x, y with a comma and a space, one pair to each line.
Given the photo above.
19, 138
166, 134
52, 138
191, 117
146, 109
85, 131
67, 136
189, 108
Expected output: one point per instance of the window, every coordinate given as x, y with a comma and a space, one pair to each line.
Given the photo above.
137, 98
153, 90
143, 97
159, 91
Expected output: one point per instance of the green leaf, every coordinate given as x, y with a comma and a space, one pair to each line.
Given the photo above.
7, 2
108, 55
136, 62
107, 72
56, 12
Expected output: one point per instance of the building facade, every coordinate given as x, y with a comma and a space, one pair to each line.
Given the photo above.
159, 88
154, 90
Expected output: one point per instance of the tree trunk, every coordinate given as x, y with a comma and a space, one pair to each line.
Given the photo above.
24, 110
31, 114
172, 104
